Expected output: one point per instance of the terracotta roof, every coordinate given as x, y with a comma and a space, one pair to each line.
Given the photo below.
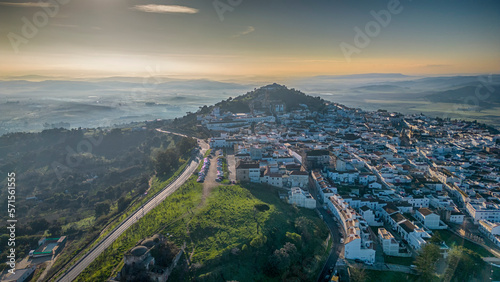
425, 211
390, 208
397, 217
299, 173
408, 226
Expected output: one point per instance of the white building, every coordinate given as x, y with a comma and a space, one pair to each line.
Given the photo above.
483, 211
456, 216
20, 275
365, 178
419, 202
358, 244
428, 218
299, 178
375, 185
248, 172
274, 179
389, 245
491, 230
440, 201
301, 198
369, 216
354, 250
325, 191
224, 142
414, 235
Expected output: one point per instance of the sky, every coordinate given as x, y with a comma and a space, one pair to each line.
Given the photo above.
248, 39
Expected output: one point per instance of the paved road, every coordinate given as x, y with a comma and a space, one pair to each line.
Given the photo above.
84, 262
336, 248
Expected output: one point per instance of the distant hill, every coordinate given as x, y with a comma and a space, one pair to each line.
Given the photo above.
381, 88
365, 76
446, 82
467, 95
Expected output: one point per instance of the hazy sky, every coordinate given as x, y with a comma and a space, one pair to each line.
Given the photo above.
247, 38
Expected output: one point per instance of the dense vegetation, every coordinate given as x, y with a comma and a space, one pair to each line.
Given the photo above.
75, 182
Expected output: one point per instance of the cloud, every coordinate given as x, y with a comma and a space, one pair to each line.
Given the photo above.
164, 9
27, 4
249, 29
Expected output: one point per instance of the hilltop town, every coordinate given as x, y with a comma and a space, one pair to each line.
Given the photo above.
393, 183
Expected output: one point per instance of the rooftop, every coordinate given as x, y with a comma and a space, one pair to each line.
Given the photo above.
425, 211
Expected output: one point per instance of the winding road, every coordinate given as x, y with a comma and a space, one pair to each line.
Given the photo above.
86, 260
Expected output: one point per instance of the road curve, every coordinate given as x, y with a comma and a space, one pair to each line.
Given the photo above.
86, 260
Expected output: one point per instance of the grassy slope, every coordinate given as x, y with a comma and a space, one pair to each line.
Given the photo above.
187, 197
227, 222
388, 276
452, 239
79, 248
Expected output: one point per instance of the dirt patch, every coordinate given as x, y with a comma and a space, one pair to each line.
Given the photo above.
209, 184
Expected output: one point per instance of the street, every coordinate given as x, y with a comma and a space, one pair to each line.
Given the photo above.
337, 248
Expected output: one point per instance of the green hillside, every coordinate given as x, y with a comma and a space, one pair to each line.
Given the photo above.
238, 233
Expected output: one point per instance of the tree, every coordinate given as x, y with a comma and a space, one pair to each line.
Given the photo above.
39, 224
55, 229
436, 238
357, 274
101, 208
166, 161
302, 224
426, 260
123, 203
281, 260
164, 253
463, 264
258, 241
294, 237
186, 144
